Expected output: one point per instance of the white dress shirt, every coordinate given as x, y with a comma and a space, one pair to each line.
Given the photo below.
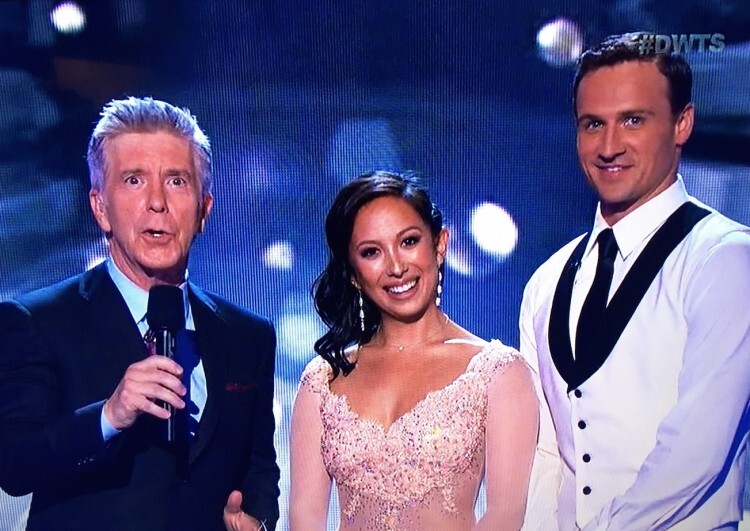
655, 439
136, 299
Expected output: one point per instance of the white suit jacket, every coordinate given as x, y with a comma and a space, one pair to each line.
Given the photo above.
655, 438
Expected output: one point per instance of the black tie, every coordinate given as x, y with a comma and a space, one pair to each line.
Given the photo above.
590, 322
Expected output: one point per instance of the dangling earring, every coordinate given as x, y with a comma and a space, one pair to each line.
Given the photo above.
361, 311
439, 288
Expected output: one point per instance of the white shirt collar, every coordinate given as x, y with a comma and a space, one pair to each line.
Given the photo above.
634, 228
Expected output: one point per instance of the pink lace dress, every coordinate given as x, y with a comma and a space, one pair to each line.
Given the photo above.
424, 472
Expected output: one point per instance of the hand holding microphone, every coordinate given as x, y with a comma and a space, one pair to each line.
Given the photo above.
156, 379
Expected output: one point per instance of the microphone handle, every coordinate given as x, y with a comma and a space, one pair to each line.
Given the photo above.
165, 346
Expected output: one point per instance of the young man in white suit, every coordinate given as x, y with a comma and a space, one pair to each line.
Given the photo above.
641, 328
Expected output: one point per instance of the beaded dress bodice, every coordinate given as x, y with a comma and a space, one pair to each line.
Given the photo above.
424, 471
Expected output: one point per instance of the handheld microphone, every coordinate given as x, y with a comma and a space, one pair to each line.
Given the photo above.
166, 316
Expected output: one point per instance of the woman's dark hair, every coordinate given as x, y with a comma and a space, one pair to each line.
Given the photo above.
336, 298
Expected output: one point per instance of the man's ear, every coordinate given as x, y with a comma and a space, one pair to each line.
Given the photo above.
683, 127
99, 209
441, 245
206, 206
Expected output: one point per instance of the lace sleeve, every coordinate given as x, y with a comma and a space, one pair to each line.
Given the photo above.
310, 483
316, 375
512, 425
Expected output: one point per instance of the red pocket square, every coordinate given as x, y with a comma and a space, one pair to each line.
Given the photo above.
235, 387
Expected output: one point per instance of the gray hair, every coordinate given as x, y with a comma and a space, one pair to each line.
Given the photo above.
139, 115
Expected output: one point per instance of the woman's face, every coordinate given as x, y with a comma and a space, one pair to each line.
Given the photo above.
395, 258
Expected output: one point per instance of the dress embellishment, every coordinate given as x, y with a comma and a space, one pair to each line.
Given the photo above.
427, 455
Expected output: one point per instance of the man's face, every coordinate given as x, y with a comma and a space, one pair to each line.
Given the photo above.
628, 141
150, 206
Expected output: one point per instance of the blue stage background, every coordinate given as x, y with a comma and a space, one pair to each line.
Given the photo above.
298, 98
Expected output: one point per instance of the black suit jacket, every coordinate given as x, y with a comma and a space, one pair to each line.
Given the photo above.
63, 350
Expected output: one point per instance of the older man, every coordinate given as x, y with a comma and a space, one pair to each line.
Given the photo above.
82, 403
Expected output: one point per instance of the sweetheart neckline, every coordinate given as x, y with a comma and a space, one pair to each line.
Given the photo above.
386, 431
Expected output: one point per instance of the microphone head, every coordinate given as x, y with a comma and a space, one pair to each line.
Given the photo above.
166, 309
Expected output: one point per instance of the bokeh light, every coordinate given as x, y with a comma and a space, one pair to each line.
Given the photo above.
494, 230
68, 18
279, 255
560, 42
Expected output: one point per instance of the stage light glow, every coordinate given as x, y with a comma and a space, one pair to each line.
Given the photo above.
560, 42
494, 230
279, 255
68, 17
296, 332
457, 259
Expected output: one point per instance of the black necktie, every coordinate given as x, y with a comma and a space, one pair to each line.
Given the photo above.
590, 322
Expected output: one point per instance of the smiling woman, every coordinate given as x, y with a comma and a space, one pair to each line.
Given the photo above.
403, 408
395, 258
352, 315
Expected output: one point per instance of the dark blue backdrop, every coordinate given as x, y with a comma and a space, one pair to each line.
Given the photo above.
297, 98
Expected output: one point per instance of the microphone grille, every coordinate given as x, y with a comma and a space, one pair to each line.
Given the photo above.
166, 309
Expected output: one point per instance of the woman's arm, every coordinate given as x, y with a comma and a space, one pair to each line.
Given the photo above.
311, 485
511, 432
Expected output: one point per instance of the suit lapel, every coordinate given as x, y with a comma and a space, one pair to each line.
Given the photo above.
624, 302
109, 318
636, 283
211, 331
560, 345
